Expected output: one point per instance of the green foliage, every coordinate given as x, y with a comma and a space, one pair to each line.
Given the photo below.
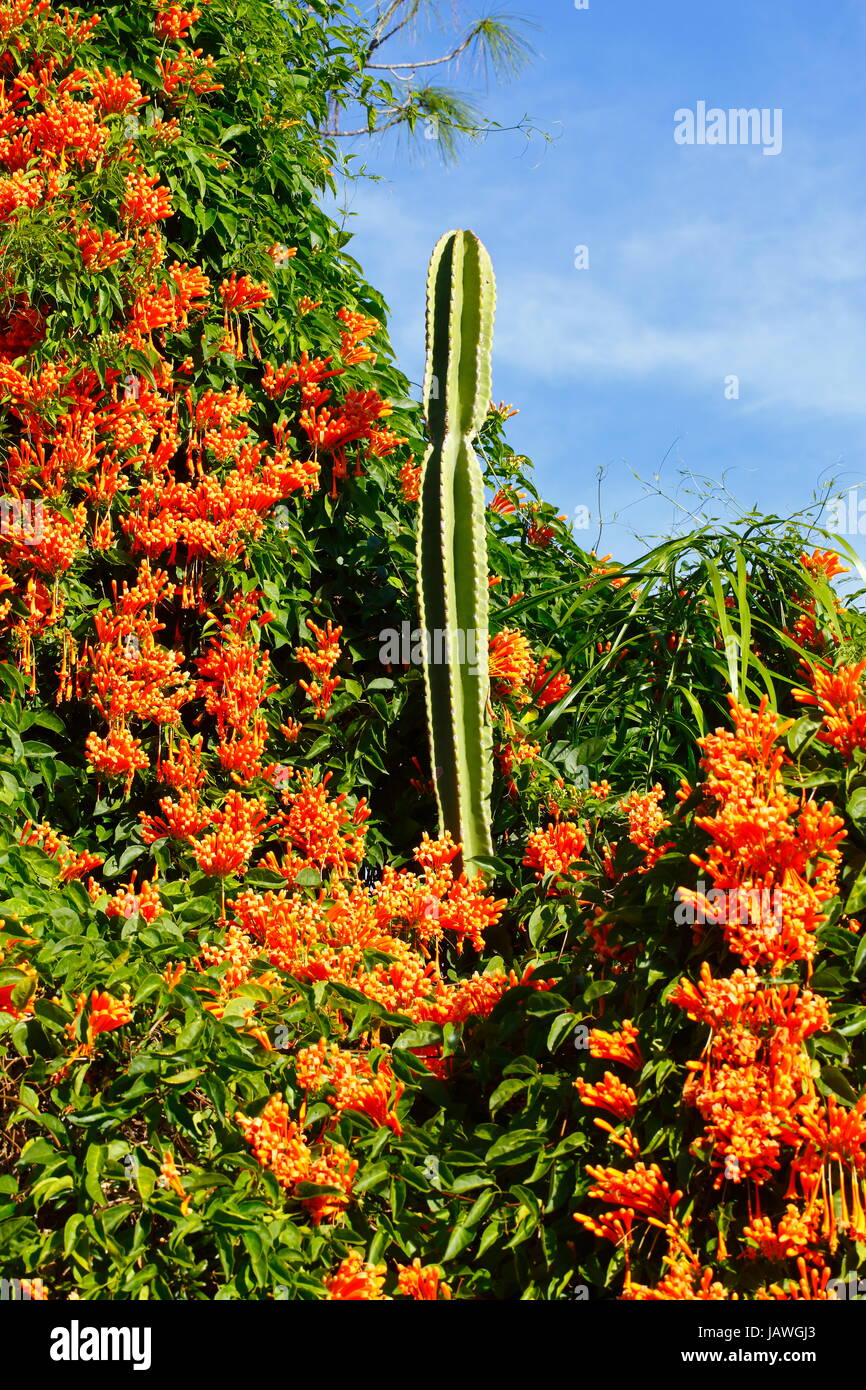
487, 1171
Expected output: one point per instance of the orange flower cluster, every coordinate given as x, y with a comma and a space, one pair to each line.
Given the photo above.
127, 902
279, 1145
641, 1190
73, 863
556, 850
540, 532
811, 1285
823, 564
516, 675
422, 1281
611, 1094
839, 696
129, 676
753, 1084
103, 1015
233, 959
10, 960
319, 831
356, 327
189, 74
410, 480
232, 679
646, 820
828, 1133
754, 1072
510, 663
353, 1082
507, 501
777, 857
236, 833
241, 294
355, 1279
618, 1046
641, 1194
331, 430
321, 661
173, 22
170, 1177
145, 200
328, 939
437, 901
307, 374
548, 688
180, 820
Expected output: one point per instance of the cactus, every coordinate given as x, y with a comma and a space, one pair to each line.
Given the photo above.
452, 545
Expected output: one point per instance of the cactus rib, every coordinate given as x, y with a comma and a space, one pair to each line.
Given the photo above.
452, 545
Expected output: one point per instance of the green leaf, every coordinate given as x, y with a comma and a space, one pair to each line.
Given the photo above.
517, 1146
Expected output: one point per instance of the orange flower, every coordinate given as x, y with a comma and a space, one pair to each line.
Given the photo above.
610, 1094
170, 1177
173, 22
555, 849
278, 1145
173, 974
6, 991
793, 1236
765, 846
507, 501
618, 1046
104, 1016
320, 831
823, 564
106, 1013
145, 201
421, 1281
357, 327
321, 661
410, 481
839, 695
645, 822
510, 663
73, 863
189, 72
547, 688
114, 94
118, 755
228, 848
354, 1279
126, 902
243, 294
641, 1189
180, 820
354, 1084
99, 250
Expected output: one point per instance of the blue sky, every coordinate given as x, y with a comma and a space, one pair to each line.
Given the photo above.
704, 261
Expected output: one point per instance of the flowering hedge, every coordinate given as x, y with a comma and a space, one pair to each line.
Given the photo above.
263, 1040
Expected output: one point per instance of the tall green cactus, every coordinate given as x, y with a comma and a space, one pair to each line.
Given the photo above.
452, 544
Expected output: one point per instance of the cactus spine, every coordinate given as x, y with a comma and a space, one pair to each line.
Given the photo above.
452, 544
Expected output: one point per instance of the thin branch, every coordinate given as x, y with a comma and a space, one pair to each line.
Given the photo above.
379, 38
426, 62
365, 130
